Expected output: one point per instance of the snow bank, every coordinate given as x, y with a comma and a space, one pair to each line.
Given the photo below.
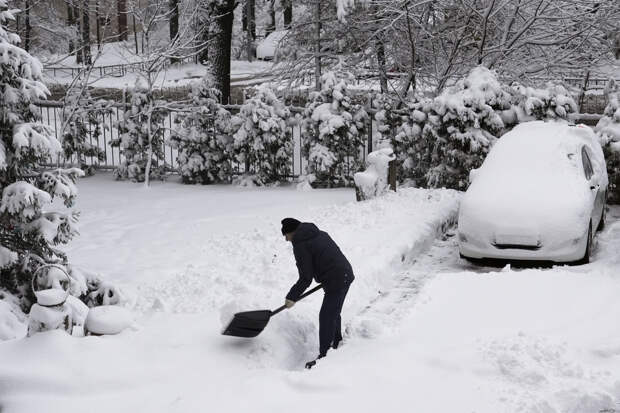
218, 251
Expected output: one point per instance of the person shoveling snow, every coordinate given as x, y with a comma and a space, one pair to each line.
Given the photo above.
318, 257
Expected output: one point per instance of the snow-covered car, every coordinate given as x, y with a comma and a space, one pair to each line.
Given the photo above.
266, 49
539, 195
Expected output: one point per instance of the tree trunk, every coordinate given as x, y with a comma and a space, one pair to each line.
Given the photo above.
28, 32
381, 63
317, 51
98, 24
121, 7
79, 54
174, 25
249, 27
271, 27
135, 34
70, 23
86, 33
288, 14
221, 37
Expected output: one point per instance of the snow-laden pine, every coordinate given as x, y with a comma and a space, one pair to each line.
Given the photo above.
29, 232
204, 137
550, 102
333, 131
84, 123
413, 148
464, 122
263, 141
608, 128
141, 136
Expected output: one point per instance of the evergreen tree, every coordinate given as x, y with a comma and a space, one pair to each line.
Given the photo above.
263, 141
413, 149
204, 137
551, 102
141, 137
29, 235
334, 131
462, 125
83, 126
608, 129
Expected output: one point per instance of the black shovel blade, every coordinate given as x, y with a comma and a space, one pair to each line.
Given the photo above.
247, 323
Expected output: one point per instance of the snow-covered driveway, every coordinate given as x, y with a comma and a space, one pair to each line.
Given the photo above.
426, 331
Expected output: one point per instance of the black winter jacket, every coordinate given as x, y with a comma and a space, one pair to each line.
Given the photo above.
318, 256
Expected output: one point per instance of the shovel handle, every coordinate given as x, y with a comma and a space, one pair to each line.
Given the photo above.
304, 295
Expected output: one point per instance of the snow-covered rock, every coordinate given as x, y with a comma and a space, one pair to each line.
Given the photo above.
108, 319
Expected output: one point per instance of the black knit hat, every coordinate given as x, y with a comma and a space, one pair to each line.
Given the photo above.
289, 225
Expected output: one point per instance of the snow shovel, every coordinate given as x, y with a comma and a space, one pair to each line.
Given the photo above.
252, 323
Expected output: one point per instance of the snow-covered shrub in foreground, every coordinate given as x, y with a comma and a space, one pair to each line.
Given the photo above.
262, 141
141, 137
333, 132
29, 235
463, 124
608, 128
373, 181
204, 137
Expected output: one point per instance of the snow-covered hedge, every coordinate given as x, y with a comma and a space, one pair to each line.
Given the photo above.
464, 122
413, 149
440, 140
204, 137
608, 128
551, 102
141, 137
83, 118
263, 141
333, 131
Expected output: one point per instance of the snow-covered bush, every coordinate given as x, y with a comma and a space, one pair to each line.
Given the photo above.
262, 141
413, 149
551, 102
463, 124
608, 128
29, 235
386, 119
373, 181
141, 137
84, 122
333, 131
204, 137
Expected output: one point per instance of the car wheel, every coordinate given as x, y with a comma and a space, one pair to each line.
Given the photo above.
586, 255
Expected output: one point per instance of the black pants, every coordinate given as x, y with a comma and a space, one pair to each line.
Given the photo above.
330, 329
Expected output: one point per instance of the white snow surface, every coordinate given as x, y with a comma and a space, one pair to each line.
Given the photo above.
460, 341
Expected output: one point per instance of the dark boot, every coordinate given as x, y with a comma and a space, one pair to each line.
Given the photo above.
312, 363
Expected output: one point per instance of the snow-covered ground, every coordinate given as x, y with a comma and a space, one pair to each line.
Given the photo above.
426, 331
241, 72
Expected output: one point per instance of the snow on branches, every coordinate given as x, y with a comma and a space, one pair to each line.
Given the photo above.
204, 137
465, 122
28, 233
608, 128
141, 137
262, 141
551, 102
333, 132
83, 119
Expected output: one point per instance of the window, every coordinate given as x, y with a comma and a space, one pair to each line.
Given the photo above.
587, 164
